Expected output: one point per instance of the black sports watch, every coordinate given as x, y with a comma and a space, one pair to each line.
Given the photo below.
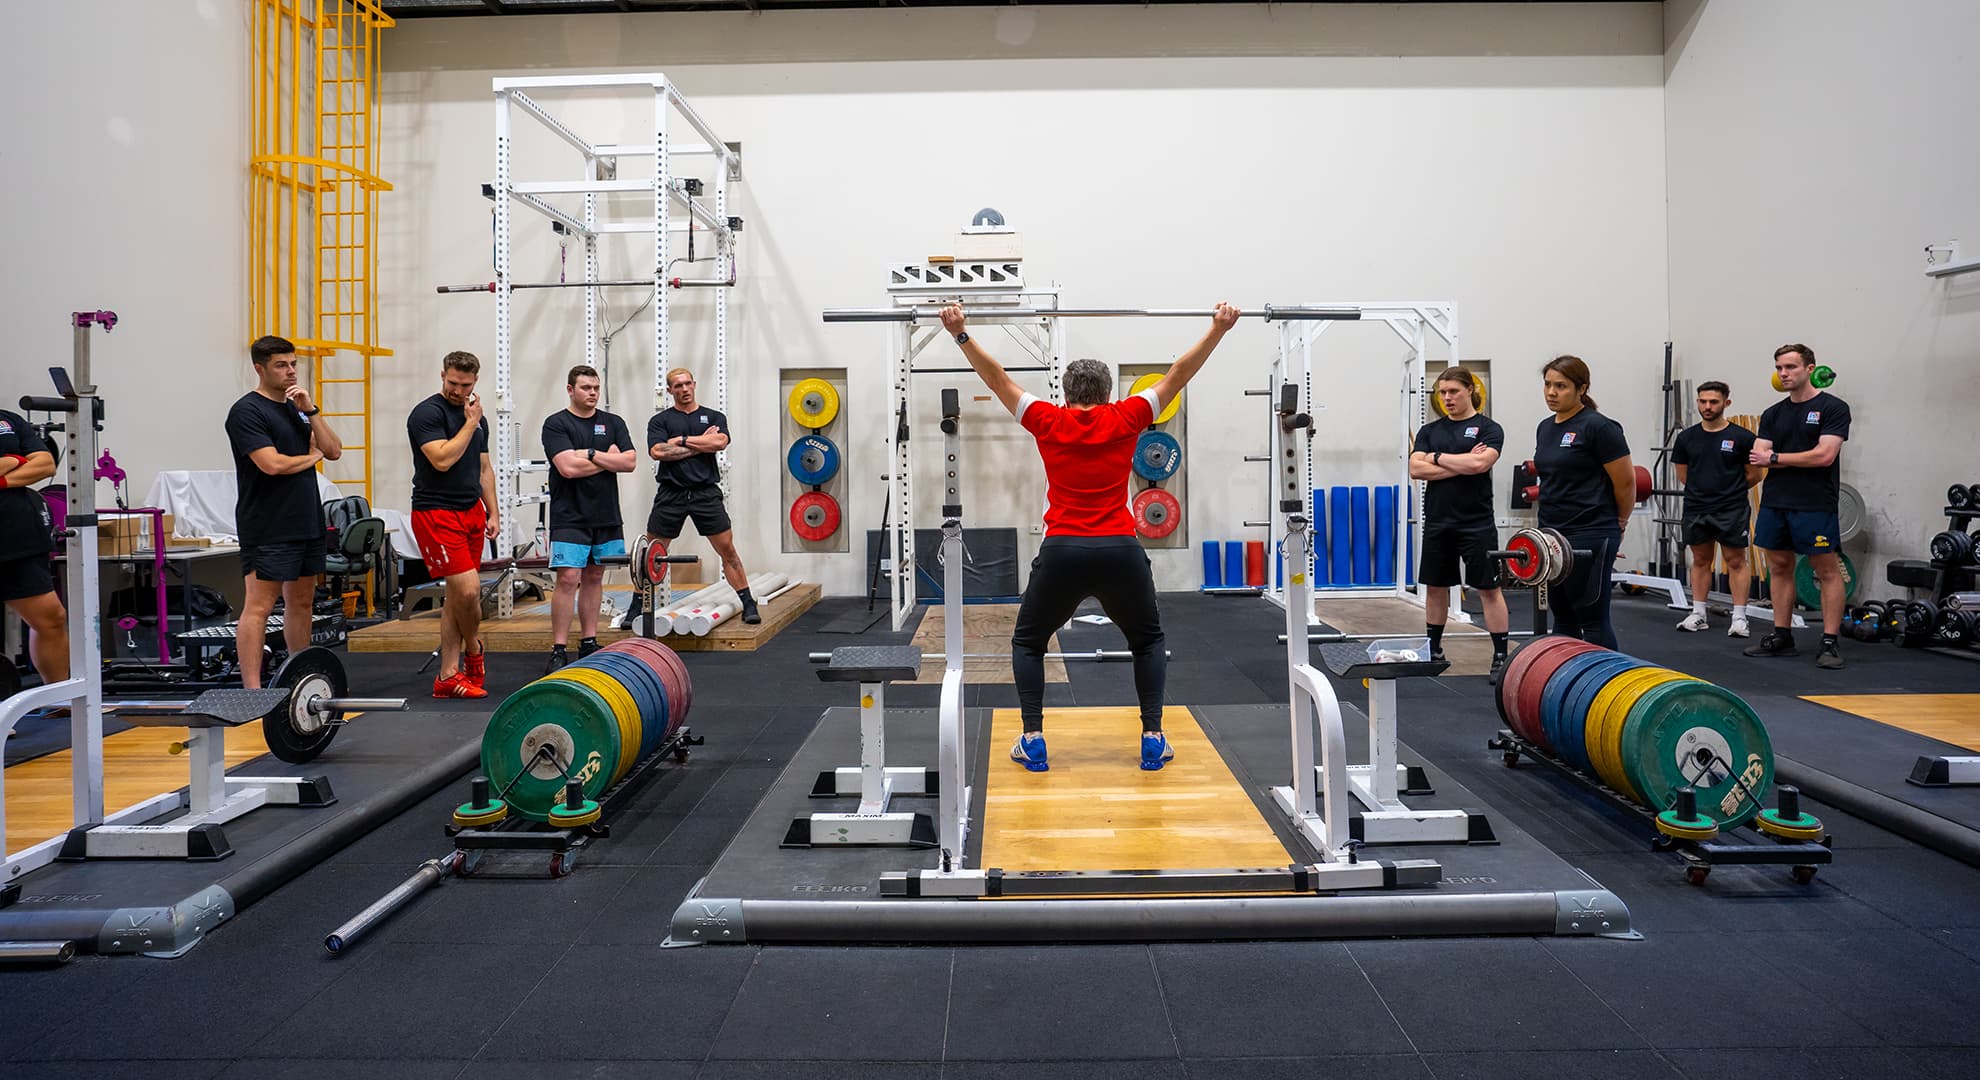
1437, 458
591, 454
962, 338
314, 411
1773, 457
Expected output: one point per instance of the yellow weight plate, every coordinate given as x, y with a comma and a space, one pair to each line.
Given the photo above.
813, 403
624, 710
1606, 717
1437, 401
1605, 720
1147, 382
1618, 718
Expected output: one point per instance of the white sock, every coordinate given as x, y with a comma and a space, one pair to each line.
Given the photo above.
1739, 611
1698, 608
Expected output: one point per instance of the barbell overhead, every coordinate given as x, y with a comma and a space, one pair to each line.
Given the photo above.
1270, 313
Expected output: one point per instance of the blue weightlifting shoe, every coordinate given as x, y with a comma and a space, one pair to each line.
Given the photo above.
1029, 751
1155, 750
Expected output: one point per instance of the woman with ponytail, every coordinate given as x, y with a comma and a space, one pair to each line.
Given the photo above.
1587, 489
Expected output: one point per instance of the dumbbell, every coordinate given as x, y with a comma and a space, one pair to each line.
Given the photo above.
1959, 497
1954, 628
1952, 548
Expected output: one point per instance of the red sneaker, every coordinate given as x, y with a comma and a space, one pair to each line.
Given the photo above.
457, 685
474, 665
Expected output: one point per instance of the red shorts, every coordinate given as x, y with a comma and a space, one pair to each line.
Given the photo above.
450, 541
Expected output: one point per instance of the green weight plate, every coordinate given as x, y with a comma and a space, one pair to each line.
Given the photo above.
1698, 828
467, 816
1808, 594
1673, 729
1802, 827
562, 816
569, 717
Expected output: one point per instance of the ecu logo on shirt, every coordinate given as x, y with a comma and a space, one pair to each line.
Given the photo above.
1814, 417
1725, 446
1567, 438
1471, 432
598, 429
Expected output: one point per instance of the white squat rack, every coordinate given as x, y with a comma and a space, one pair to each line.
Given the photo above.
1413, 321
675, 209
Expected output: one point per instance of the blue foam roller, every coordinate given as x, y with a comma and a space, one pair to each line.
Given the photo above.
1321, 558
1385, 535
1409, 559
1360, 549
1213, 566
1337, 536
1234, 563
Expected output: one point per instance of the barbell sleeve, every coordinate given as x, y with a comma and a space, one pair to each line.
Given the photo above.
358, 704
428, 875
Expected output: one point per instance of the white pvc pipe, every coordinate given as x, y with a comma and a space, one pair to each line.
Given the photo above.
699, 620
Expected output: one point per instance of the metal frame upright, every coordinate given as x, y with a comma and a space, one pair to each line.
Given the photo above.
1413, 322
600, 177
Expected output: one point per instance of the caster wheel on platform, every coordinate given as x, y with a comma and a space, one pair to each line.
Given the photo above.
680, 753
1803, 874
1511, 759
1696, 875
562, 863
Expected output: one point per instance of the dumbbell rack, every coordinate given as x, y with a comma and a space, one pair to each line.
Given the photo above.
1699, 855
1946, 579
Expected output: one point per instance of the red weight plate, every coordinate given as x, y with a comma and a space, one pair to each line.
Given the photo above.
672, 672
1533, 684
1519, 702
1156, 513
656, 570
815, 515
1526, 568
1643, 484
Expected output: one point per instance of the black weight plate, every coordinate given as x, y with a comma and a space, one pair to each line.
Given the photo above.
1972, 495
293, 733
1959, 497
1973, 547
1951, 547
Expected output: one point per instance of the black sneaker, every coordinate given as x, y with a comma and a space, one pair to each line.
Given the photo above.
558, 658
1437, 654
1829, 657
1498, 665
1777, 643
749, 614
588, 646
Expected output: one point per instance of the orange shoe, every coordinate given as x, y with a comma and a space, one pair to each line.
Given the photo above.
457, 685
474, 665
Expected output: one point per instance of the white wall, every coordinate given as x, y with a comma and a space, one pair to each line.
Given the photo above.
1505, 158
1815, 147
123, 164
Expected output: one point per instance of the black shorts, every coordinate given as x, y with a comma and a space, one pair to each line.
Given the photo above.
1728, 527
674, 505
290, 560
29, 575
1444, 549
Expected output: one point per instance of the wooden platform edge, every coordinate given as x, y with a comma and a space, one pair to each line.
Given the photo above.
531, 633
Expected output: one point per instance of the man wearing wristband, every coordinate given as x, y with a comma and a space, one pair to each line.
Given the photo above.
277, 437
27, 584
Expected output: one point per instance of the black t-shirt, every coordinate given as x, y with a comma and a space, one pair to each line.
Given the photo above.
1459, 501
692, 471
25, 524
1575, 492
588, 501
459, 487
1715, 467
1795, 427
272, 509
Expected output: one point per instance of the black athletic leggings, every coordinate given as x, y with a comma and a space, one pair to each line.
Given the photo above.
1113, 570
1581, 603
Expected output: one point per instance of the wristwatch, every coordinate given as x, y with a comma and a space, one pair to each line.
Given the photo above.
1773, 457
962, 338
591, 454
314, 411
1436, 458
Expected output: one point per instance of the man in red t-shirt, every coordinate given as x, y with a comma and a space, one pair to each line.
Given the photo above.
1090, 548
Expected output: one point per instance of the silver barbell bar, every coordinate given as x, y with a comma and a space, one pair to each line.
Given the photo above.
1098, 656
919, 313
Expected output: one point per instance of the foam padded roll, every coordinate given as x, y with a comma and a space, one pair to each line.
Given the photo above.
1337, 537
1321, 555
1385, 535
1359, 546
1254, 563
1213, 565
1233, 563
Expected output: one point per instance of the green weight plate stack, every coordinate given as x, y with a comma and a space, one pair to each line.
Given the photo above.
1701, 735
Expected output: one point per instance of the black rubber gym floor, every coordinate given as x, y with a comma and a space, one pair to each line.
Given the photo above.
1873, 970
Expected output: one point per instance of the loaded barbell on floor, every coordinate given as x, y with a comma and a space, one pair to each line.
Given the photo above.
298, 729
1098, 656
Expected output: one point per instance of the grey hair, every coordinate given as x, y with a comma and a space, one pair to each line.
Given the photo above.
1088, 382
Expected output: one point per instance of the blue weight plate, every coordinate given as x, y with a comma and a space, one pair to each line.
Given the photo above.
646, 690
1572, 717
1553, 697
1157, 455
813, 459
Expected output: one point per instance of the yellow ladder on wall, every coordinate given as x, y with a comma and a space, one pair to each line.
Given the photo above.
314, 188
